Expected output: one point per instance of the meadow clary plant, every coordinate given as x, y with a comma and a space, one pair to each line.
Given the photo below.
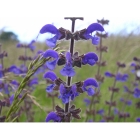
69, 91
108, 95
100, 48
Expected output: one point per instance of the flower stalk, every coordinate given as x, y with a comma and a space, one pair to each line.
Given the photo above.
69, 79
112, 93
99, 78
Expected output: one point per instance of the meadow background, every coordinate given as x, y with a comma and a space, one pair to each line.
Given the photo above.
122, 47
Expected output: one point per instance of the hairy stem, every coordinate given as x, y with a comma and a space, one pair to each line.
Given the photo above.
112, 94
69, 79
98, 72
100, 56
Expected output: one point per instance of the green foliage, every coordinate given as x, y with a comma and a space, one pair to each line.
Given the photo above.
121, 49
7, 36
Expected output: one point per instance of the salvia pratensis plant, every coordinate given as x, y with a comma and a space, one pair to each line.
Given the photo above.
100, 63
63, 89
118, 77
68, 90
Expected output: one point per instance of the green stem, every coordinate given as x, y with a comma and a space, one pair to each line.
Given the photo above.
112, 94
69, 79
98, 72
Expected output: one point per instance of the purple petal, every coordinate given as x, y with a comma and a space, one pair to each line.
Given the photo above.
122, 99
133, 64
62, 89
40, 52
14, 69
90, 58
64, 95
1, 74
49, 28
136, 93
14, 82
138, 119
30, 45
129, 102
89, 82
51, 65
32, 48
122, 78
108, 74
74, 88
23, 68
95, 40
6, 89
68, 71
91, 28
90, 91
50, 53
100, 112
74, 92
50, 75
51, 42
94, 27
116, 111
133, 71
68, 57
33, 82
32, 42
49, 88
68, 93
53, 116
87, 101
126, 89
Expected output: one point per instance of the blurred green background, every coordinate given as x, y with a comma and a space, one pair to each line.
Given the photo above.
121, 48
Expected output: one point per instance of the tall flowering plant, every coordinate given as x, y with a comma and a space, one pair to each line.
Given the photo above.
68, 90
95, 99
